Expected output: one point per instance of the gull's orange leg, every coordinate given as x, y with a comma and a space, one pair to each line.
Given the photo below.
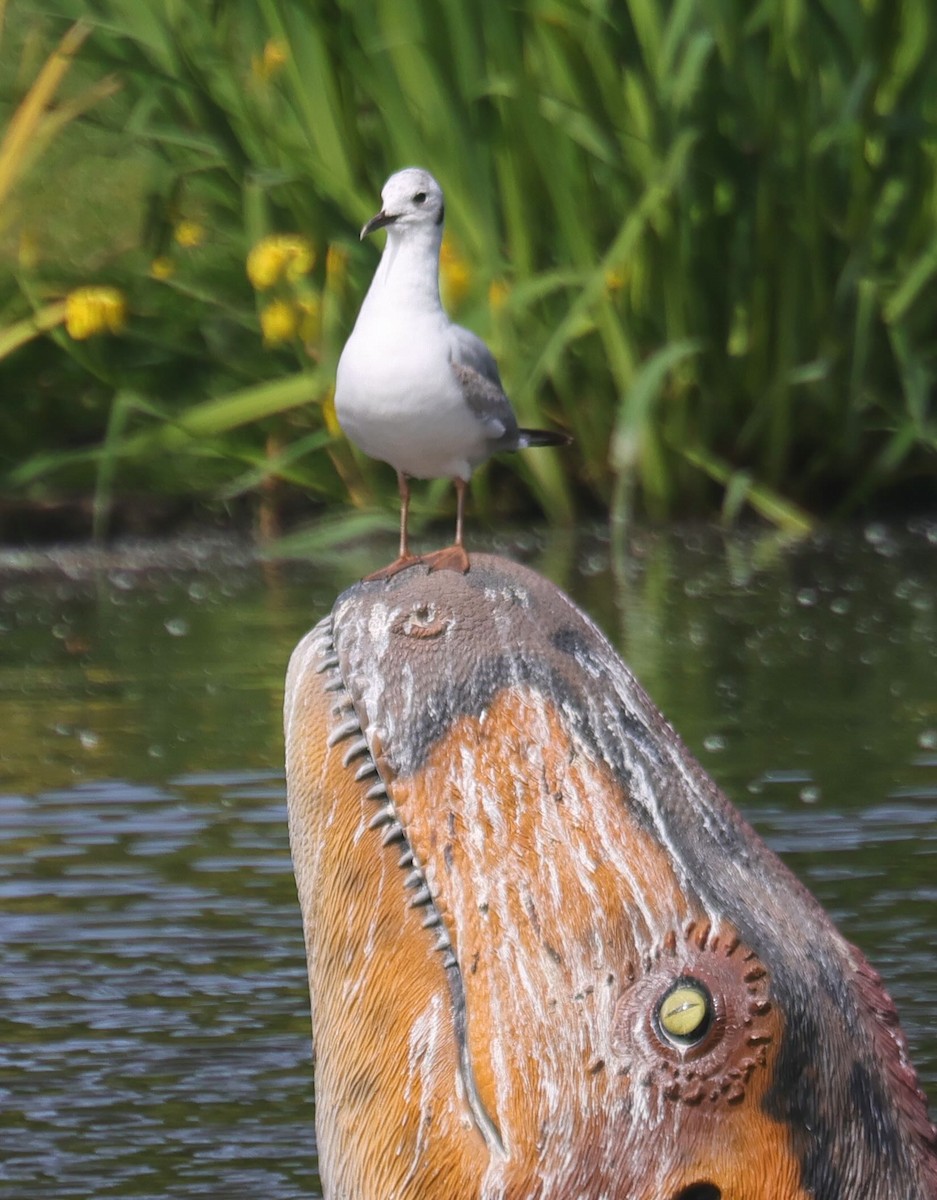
404, 558
454, 557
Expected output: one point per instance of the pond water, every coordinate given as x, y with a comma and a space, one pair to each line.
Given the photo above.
154, 1037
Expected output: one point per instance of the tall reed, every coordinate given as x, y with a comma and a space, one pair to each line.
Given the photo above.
699, 234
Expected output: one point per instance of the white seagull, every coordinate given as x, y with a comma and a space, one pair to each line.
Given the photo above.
413, 389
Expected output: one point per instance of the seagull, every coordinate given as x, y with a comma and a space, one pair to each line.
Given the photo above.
414, 389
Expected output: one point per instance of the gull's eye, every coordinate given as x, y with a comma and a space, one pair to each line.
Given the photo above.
419, 198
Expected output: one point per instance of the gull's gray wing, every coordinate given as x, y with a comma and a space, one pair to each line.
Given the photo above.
477, 373
468, 350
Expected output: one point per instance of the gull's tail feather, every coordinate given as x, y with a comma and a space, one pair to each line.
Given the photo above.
541, 437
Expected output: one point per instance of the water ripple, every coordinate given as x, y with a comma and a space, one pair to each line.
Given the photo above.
154, 1021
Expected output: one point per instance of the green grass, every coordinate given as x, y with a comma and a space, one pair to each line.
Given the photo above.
700, 235
82, 208
82, 201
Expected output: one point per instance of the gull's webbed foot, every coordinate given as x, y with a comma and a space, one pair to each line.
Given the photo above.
452, 558
399, 564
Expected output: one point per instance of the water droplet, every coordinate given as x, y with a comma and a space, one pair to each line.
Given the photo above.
594, 564
810, 795
880, 538
88, 739
714, 743
176, 626
928, 739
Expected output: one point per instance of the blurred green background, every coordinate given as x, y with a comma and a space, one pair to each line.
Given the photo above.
700, 235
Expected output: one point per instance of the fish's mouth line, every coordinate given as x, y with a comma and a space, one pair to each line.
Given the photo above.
350, 732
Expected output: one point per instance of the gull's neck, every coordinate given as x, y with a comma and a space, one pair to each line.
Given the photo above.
407, 277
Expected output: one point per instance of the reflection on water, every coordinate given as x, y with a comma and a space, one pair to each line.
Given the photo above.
153, 1015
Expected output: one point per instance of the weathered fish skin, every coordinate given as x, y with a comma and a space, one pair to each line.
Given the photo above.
547, 958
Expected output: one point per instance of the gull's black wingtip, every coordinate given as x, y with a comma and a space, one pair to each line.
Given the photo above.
542, 437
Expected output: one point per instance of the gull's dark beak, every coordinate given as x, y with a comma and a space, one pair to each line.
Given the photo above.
378, 221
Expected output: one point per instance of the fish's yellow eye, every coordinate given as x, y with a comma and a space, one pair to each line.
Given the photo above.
685, 1013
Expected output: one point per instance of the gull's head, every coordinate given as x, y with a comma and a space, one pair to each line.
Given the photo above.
409, 199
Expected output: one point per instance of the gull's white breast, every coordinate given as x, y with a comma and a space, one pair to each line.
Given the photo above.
398, 399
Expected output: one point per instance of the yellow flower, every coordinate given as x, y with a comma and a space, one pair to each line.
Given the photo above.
615, 280
279, 322
91, 310
162, 267
264, 265
189, 234
498, 292
277, 256
454, 273
274, 57
310, 311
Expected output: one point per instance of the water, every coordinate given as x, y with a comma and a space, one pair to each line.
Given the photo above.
154, 1036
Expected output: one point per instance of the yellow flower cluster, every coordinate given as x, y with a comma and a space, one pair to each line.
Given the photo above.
279, 256
91, 310
283, 260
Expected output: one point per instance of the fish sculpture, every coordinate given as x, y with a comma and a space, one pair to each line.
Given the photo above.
547, 958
